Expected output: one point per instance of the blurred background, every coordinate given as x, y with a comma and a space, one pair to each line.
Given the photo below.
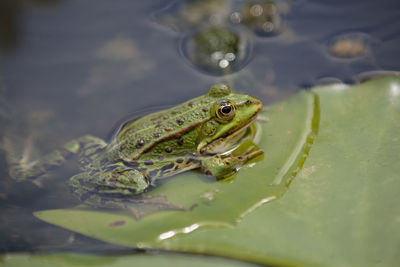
70, 67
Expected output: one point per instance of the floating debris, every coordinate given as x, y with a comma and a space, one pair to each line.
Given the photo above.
352, 45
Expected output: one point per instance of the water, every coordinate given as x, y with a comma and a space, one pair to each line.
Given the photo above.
69, 68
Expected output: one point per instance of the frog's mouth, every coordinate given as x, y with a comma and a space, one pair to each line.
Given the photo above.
226, 144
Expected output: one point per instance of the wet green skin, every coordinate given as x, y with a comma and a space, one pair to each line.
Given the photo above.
189, 136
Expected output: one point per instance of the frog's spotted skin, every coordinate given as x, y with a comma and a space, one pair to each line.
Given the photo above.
172, 127
196, 134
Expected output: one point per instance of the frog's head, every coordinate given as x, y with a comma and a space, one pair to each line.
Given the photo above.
231, 114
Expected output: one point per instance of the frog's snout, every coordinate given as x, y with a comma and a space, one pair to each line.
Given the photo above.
259, 104
255, 102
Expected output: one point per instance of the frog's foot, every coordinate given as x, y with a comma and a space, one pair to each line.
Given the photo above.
222, 167
20, 168
118, 189
120, 181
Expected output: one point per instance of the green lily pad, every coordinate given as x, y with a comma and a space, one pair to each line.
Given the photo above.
70, 259
204, 198
338, 148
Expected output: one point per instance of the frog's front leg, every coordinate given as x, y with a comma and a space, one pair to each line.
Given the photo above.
224, 166
85, 144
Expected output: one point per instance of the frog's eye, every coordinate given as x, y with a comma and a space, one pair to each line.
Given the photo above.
226, 111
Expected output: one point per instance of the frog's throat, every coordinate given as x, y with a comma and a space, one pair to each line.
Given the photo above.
227, 142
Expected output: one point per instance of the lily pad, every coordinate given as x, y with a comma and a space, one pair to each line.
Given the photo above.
338, 148
204, 198
70, 259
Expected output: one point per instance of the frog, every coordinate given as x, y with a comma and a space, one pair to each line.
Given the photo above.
201, 133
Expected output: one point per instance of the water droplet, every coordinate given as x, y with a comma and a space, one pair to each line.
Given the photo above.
256, 10
236, 18
230, 56
223, 63
140, 143
217, 56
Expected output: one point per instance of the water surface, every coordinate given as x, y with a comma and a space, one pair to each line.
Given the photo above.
69, 68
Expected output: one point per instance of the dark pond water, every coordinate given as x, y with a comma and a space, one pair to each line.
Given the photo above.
69, 68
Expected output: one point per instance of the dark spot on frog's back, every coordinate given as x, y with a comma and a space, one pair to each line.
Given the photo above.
204, 109
156, 135
131, 164
180, 121
167, 167
103, 162
191, 104
140, 143
148, 162
180, 141
168, 149
123, 146
192, 160
111, 167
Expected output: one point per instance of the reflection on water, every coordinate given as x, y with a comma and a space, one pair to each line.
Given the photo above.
264, 18
218, 32
79, 66
191, 15
119, 58
217, 51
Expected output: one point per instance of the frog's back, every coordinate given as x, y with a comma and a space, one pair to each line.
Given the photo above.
138, 136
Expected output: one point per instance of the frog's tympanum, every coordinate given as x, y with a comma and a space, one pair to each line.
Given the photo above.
198, 134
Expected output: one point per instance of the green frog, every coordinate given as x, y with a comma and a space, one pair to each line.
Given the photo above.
198, 134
